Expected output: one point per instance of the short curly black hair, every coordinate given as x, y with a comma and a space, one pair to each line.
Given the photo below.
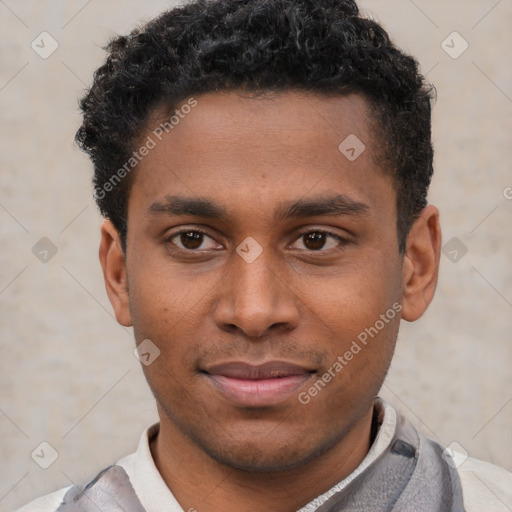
315, 46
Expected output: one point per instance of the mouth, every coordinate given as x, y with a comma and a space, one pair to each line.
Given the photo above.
257, 385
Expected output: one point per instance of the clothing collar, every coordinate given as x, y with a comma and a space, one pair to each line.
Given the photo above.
155, 496
145, 478
386, 417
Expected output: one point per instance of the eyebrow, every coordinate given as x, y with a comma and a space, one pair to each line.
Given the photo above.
338, 205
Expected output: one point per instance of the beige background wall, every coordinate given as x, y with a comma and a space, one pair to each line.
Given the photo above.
68, 375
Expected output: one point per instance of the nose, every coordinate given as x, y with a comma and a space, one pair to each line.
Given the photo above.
255, 299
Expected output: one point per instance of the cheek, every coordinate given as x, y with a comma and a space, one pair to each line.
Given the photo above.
353, 298
161, 295
170, 308
358, 311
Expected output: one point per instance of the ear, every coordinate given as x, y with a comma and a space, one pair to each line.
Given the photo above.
114, 272
421, 264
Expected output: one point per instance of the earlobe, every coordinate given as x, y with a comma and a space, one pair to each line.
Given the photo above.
114, 272
421, 264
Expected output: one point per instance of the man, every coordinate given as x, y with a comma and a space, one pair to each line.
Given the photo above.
263, 166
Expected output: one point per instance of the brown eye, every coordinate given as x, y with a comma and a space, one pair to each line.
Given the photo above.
315, 241
319, 241
191, 239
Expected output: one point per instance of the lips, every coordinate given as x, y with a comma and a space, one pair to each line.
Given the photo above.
257, 385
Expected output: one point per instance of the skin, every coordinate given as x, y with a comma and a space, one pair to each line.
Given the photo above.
300, 302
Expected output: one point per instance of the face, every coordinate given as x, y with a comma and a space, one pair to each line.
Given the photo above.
262, 261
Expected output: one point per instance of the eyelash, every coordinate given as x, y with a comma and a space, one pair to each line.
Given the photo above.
339, 239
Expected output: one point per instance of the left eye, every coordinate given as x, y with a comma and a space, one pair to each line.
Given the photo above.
319, 240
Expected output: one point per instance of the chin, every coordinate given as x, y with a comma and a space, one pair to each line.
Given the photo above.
258, 446
253, 459
264, 454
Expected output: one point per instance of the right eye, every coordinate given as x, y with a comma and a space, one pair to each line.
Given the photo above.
192, 240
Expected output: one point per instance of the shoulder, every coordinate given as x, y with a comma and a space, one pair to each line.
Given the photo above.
51, 502
48, 503
484, 485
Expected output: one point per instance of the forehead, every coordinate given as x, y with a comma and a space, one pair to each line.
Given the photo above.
290, 120
231, 146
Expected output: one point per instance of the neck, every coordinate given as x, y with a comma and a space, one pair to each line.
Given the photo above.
199, 482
